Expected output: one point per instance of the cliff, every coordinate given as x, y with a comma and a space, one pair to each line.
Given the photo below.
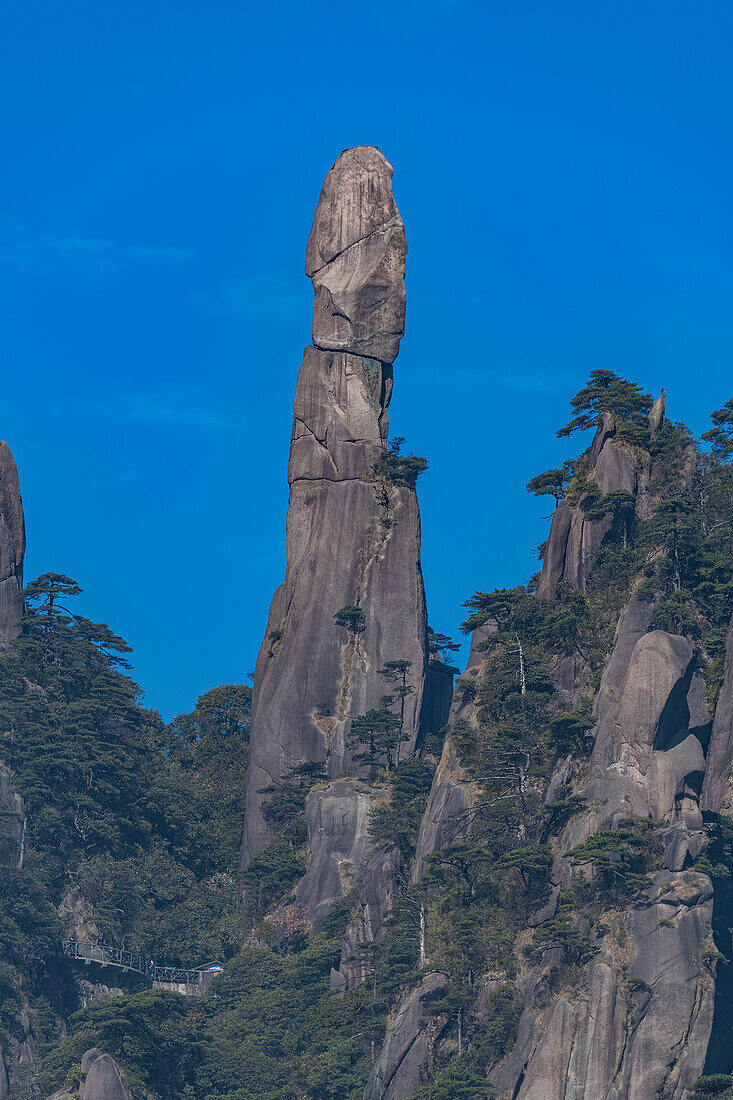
617, 985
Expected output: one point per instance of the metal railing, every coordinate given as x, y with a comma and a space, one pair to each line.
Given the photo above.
127, 960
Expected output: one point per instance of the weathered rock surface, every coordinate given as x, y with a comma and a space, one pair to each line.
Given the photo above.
356, 259
639, 1029
717, 792
405, 1052
100, 1079
376, 899
638, 759
12, 547
642, 1026
103, 1081
575, 540
447, 817
352, 538
77, 917
655, 418
338, 820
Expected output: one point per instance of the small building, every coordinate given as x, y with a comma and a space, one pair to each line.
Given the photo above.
208, 971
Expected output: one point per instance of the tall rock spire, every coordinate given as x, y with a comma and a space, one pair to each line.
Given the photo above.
353, 537
12, 547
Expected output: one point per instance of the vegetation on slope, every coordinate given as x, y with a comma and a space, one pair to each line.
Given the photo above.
144, 819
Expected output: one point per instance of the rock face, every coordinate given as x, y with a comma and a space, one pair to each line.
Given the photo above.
356, 259
655, 419
376, 899
636, 1031
353, 538
447, 817
396, 1073
641, 753
103, 1081
100, 1079
12, 547
575, 541
437, 697
337, 819
641, 1027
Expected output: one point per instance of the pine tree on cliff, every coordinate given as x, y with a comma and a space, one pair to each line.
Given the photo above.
606, 392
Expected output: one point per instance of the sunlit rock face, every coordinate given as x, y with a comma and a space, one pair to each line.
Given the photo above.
575, 541
356, 259
352, 538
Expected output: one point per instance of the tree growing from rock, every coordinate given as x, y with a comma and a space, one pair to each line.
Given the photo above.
352, 618
400, 469
376, 735
552, 482
607, 392
395, 672
440, 644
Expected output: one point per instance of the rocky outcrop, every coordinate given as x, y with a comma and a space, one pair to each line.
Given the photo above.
406, 1048
100, 1079
639, 1026
353, 537
12, 547
77, 917
575, 540
376, 899
447, 817
103, 1080
642, 751
338, 820
717, 792
655, 417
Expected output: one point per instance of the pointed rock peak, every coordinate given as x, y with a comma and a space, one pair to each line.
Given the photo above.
11, 505
349, 541
356, 259
655, 419
356, 200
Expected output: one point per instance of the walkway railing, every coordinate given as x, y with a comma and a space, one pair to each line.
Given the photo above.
127, 960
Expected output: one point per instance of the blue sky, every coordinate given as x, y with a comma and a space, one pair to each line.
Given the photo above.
564, 173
